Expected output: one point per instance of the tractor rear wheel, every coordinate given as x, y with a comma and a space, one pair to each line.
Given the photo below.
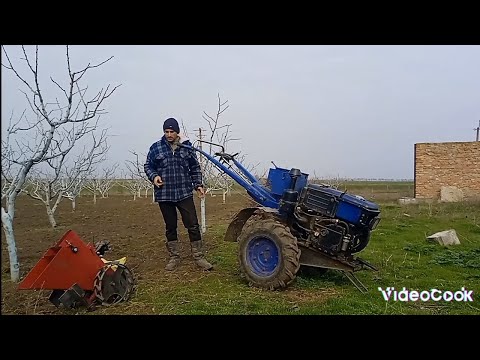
269, 255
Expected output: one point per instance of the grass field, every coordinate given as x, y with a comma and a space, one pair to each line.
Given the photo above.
398, 249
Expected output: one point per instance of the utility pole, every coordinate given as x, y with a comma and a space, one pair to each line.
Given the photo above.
200, 137
477, 130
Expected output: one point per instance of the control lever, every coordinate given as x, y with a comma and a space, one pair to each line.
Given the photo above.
226, 156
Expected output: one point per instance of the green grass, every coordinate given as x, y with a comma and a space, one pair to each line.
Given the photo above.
398, 248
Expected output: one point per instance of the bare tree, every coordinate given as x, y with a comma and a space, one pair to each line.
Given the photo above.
51, 188
183, 128
216, 180
132, 183
74, 190
136, 171
83, 168
78, 175
48, 133
101, 184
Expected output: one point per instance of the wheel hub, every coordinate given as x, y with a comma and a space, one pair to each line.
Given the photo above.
263, 256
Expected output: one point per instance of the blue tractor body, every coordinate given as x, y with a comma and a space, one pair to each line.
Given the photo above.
279, 180
296, 224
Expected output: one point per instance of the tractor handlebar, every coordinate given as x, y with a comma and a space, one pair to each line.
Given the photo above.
221, 154
240, 174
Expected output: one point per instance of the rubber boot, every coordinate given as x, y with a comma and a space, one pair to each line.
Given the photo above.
172, 247
198, 256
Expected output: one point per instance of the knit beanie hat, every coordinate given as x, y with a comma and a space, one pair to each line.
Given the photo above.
172, 124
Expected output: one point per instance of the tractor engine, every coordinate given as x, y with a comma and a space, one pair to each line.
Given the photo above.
333, 221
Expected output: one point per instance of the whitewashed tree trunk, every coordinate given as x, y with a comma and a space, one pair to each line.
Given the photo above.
74, 204
7, 218
224, 192
51, 218
51, 210
153, 196
7, 222
202, 214
50, 202
94, 197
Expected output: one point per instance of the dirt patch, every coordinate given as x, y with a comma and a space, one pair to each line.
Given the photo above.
134, 228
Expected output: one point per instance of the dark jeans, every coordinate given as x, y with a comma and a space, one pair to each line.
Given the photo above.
189, 218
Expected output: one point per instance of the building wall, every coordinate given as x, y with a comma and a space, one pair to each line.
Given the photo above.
447, 164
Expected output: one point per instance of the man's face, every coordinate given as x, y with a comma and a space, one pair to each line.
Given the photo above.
170, 135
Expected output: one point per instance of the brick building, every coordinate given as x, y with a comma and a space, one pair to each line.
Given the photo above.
447, 164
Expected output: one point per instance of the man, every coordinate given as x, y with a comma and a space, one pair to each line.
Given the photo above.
175, 173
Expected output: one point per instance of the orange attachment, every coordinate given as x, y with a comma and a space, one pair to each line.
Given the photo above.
69, 262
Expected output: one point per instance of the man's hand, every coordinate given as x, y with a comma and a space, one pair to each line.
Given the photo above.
157, 181
201, 192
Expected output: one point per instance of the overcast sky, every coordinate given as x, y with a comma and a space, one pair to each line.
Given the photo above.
348, 111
